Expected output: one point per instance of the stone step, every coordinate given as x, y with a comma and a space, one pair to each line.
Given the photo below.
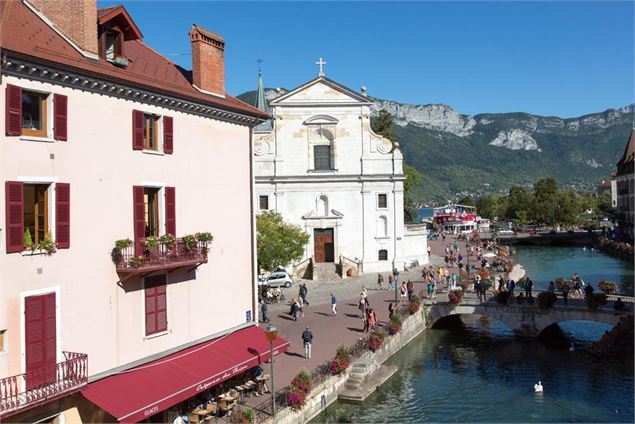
355, 378
352, 386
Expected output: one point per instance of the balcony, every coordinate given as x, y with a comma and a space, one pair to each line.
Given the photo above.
161, 253
37, 387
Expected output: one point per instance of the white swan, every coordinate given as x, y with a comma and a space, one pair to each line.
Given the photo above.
571, 348
538, 387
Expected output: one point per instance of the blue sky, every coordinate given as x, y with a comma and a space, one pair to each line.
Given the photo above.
565, 59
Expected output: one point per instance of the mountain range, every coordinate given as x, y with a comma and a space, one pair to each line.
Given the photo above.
461, 154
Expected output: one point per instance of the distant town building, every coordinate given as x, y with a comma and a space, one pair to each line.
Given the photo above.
609, 185
626, 189
319, 164
111, 154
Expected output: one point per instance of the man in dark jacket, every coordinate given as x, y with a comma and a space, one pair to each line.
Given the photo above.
307, 338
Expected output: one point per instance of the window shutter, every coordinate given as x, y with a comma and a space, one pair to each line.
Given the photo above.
151, 311
60, 104
139, 218
13, 110
161, 299
168, 135
14, 196
63, 215
40, 337
170, 211
137, 130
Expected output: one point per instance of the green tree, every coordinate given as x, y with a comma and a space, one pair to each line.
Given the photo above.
467, 201
382, 125
491, 206
519, 204
413, 178
604, 204
278, 243
545, 200
567, 208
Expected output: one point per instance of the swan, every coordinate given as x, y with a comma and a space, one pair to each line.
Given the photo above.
538, 387
571, 348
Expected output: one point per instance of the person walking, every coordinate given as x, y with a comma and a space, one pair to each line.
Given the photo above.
333, 304
565, 293
477, 289
395, 273
304, 292
264, 309
404, 293
392, 308
307, 338
429, 250
380, 280
366, 321
483, 288
391, 282
411, 290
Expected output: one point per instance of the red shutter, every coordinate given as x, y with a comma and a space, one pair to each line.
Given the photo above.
14, 209
168, 137
13, 109
40, 339
156, 304
138, 212
60, 104
137, 130
170, 211
63, 215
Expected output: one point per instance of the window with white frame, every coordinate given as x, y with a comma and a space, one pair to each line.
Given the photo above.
321, 140
382, 201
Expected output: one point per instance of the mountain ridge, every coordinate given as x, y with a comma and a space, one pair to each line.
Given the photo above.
460, 154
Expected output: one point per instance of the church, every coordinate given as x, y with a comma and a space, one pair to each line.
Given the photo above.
319, 164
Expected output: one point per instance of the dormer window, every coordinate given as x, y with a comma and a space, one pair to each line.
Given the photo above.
113, 47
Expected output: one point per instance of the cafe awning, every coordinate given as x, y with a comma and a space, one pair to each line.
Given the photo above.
140, 392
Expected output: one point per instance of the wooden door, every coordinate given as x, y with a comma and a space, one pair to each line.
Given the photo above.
323, 250
40, 338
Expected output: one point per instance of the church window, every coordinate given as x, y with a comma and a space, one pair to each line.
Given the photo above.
382, 201
322, 157
383, 255
382, 226
264, 203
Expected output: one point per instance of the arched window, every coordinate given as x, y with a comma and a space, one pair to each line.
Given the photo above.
323, 206
383, 255
382, 226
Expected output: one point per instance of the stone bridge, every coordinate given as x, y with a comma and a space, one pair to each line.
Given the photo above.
525, 320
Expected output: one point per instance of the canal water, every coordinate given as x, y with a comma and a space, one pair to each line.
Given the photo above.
546, 263
485, 374
451, 376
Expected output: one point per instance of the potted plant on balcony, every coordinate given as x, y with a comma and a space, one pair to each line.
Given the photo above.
167, 241
150, 242
136, 261
123, 244
189, 242
48, 245
205, 238
28, 240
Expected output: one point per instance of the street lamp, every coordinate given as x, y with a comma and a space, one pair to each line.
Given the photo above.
272, 335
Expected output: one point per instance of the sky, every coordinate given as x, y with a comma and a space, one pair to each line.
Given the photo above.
549, 58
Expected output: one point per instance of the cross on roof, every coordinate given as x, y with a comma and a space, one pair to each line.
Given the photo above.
321, 63
259, 65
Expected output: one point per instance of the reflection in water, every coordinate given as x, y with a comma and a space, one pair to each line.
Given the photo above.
488, 376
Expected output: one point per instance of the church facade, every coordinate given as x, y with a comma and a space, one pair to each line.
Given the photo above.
319, 164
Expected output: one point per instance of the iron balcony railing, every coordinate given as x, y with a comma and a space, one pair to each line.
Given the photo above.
43, 385
162, 256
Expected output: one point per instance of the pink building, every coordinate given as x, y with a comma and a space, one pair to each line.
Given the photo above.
117, 166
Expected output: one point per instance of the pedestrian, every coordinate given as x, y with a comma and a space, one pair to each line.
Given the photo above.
380, 280
372, 320
295, 309
404, 293
565, 293
307, 338
454, 277
366, 321
477, 289
588, 290
264, 309
551, 288
391, 282
429, 250
529, 285
392, 308
362, 306
395, 273
411, 290
303, 292
333, 304
483, 288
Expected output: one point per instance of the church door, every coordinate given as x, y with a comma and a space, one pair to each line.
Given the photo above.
323, 245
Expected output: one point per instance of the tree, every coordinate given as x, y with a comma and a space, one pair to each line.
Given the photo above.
413, 177
278, 243
491, 206
545, 199
467, 201
519, 204
382, 125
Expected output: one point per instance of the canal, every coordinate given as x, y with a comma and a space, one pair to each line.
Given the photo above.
482, 373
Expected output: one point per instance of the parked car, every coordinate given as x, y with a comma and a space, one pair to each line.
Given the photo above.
504, 232
276, 279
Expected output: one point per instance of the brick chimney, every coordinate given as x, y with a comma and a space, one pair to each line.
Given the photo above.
208, 60
76, 19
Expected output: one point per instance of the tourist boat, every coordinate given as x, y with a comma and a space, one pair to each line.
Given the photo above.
456, 218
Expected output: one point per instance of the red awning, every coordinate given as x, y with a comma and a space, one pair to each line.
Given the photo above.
140, 392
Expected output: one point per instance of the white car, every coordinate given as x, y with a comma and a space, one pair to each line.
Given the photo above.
504, 232
277, 279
